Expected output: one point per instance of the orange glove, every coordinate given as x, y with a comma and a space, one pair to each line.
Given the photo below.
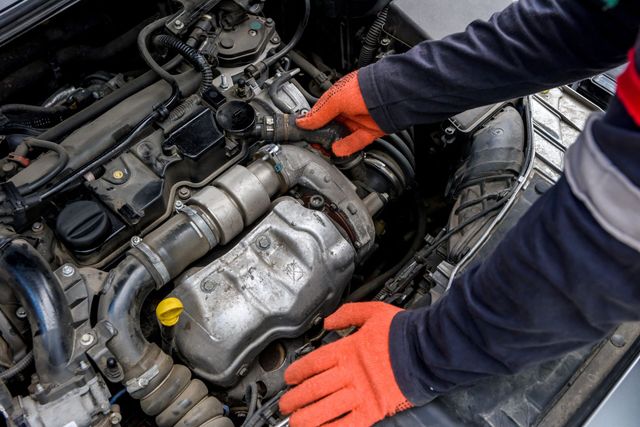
344, 103
348, 383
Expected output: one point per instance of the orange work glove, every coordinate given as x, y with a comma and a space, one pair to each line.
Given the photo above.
344, 103
350, 382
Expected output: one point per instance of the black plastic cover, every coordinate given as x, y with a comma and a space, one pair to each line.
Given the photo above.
83, 225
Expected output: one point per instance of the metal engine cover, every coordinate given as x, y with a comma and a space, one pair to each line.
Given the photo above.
292, 267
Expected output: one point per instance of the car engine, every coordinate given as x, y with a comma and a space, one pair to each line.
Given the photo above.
171, 241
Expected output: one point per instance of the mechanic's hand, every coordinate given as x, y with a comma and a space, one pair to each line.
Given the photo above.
348, 383
344, 102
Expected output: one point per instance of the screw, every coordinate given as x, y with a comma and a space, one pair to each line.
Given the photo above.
275, 40
178, 205
253, 33
68, 270
37, 227
178, 24
385, 42
39, 388
136, 240
269, 22
117, 174
450, 130
87, 339
316, 202
84, 365
264, 242
21, 313
224, 82
184, 193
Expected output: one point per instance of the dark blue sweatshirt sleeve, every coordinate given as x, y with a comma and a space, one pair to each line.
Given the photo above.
557, 282
531, 45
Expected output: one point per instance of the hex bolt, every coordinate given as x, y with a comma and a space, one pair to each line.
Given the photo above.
253, 33
135, 241
84, 365
178, 205
316, 202
268, 22
184, 193
178, 24
37, 227
275, 40
87, 339
21, 313
450, 130
385, 42
68, 270
264, 242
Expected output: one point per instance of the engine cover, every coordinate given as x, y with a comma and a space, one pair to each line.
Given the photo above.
289, 269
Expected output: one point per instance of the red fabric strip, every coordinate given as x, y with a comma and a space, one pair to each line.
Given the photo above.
629, 89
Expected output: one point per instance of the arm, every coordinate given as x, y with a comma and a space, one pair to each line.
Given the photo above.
563, 278
530, 46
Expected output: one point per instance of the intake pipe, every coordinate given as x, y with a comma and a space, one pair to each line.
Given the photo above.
215, 215
24, 270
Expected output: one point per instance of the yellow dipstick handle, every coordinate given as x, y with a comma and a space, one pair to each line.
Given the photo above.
169, 311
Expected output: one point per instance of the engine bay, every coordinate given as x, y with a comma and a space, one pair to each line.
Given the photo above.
170, 239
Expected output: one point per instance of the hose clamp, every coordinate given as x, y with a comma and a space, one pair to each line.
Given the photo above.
199, 224
153, 258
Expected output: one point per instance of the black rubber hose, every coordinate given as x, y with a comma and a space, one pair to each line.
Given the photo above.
63, 159
192, 56
20, 366
31, 109
273, 92
143, 47
24, 270
404, 148
295, 39
318, 76
372, 38
310, 98
396, 155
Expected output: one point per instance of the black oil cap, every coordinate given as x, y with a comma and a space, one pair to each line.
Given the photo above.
83, 225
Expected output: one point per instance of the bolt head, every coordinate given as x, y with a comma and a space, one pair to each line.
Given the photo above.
37, 226
316, 202
115, 418
253, 33
178, 24
68, 270
275, 40
184, 193
264, 242
136, 240
208, 286
21, 313
178, 205
87, 339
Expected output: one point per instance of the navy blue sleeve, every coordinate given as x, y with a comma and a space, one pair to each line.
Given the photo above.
557, 282
530, 46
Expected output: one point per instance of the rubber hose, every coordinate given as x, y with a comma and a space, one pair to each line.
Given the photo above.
318, 76
310, 98
398, 157
371, 39
296, 37
20, 366
63, 159
404, 148
143, 43
192, 56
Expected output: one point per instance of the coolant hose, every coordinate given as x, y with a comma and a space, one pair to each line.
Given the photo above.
372, 38
24, 270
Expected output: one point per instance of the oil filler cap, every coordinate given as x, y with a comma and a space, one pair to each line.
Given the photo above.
83, 225
169, 310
